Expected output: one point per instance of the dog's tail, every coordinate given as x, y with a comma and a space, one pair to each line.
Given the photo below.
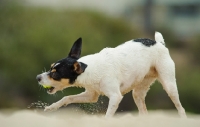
159, 38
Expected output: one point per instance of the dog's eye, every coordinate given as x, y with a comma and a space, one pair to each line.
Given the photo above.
54, 75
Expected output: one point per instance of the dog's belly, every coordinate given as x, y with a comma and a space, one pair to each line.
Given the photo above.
143, 83
125, 88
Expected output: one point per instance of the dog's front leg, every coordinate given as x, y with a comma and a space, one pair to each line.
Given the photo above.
111, 88
84, 97
114, 101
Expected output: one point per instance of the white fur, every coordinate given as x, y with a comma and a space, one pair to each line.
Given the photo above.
159, 38
56, 65
131, 66
45, 80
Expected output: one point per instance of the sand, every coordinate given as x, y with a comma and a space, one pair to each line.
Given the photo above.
67, 118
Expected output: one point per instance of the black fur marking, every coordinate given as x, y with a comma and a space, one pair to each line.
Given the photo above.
75, 51
65, 70
146, 42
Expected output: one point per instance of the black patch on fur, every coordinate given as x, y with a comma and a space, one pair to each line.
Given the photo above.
146, 42
65, 70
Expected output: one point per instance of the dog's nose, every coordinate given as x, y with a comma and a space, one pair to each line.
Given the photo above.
38, 77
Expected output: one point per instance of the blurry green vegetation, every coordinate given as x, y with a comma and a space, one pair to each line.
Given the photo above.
33, 38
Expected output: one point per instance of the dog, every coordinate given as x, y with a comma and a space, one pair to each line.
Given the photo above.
113, 72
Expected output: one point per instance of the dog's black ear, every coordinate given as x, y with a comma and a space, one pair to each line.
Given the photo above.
79, 67
75, 51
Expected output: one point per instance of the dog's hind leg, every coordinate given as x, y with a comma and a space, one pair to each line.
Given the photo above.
166, 75
139, 94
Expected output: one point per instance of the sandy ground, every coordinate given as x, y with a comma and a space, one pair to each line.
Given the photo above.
66, 118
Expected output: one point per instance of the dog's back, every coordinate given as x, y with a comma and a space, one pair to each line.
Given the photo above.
127, 63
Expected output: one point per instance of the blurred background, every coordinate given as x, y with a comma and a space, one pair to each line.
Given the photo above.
36, 33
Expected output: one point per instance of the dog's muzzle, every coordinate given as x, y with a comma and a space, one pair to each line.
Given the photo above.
38, 78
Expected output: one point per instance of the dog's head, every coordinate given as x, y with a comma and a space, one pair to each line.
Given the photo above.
64, 72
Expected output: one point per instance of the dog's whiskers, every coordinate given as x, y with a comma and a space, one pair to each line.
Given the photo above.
40, 87
55, 95
44, 70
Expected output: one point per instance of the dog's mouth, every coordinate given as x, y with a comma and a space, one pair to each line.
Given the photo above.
49, 88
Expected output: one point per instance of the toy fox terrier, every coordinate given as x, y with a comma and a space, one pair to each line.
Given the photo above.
113, 72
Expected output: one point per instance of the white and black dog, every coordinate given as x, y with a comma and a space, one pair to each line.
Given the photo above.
133, 65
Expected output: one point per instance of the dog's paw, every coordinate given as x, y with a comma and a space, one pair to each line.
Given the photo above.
52, 107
